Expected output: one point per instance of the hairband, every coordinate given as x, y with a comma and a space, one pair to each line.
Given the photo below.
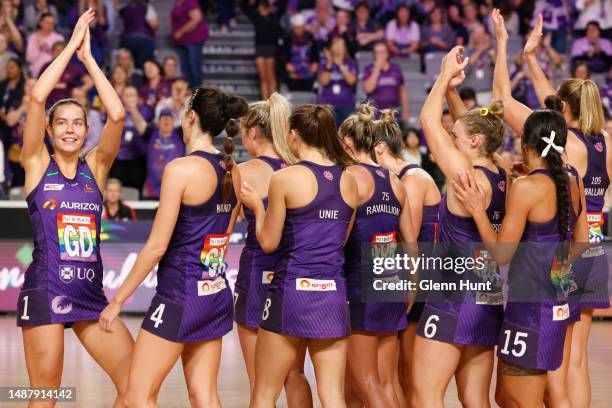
551, 143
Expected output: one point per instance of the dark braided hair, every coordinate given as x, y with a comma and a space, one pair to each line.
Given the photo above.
541, 123
216, 111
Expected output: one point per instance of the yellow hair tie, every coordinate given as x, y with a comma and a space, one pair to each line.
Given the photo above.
484, 111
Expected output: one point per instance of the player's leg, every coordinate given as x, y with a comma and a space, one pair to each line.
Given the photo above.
201, 363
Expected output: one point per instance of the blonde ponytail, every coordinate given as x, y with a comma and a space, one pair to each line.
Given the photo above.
280, 110
591, 119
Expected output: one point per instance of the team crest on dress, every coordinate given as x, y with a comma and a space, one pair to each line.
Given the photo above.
222, 164
502, 185
380, 173
61, 305
599, 147
328, 175
88, 188
50, 204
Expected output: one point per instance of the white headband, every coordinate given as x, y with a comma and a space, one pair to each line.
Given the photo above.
551, 143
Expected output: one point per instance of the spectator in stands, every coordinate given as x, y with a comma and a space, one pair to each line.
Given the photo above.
94, 120
175, 102
9, 26
34, 11
479, 72
471, 19
412, 154
581, 71
462, 35
170, 66
155, 86
3, 174
345, 28
402, 33
130, 164
338, 76
114, 209
301, 54
267, 33
140, 23
606, 94
468, 97
11, 92
383, 83
556, 20
366, 28
593, 49
38, 51
165, 144
125, 60
15, 119
437, 36
73, 76
511, 18
189, 32
594, 10
322, 23
97, 29
119, 79
5, 55
227, 14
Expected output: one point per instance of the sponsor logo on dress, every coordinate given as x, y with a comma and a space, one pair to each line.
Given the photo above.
68, 273
80, 206
315, 285
88, 188
561, 312
599, 147
502, 186
222, 165
50, 204
266, 277
328, 175
380, 173
53, 187
206, 288
61, 305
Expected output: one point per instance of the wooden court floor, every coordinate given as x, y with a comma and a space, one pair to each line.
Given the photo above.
94, 389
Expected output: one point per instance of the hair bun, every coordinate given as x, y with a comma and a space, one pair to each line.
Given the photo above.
387, 116
497, 108
366, 112
553, 102
234, 106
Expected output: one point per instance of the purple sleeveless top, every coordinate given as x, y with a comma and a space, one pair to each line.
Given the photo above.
376, 223
595, 179
530, 269
455, 228
429, 223
313, 236
252, 256
196, 253
66, 216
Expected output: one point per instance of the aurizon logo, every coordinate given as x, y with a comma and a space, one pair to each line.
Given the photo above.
50, 204
316, 285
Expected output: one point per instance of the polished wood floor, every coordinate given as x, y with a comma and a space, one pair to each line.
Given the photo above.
94, 389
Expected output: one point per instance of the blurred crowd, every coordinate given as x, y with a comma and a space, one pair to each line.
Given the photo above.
341, 50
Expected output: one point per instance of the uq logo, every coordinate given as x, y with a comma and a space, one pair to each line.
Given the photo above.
68, 273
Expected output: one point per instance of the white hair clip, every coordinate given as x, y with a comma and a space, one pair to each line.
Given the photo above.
551, 143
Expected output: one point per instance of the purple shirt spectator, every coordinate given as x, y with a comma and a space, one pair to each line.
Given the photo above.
402, 36
554, 13
133, 144
303, 53
597, 60
180, 16
135, 24
338, 92
161, 151
387, 92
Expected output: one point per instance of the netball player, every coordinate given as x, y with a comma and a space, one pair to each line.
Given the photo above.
192, 309
458, 336
382, 214
310, 213
264, 132
424, 201
63, 284
586, 151
537, 313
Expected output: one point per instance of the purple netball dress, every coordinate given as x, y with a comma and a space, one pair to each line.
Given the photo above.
256, 269
63, 284
193, 300
307, 296
591, 269
538, 310
376, 224
467, 317
427, 235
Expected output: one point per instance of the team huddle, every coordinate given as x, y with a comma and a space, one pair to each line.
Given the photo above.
313, 195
